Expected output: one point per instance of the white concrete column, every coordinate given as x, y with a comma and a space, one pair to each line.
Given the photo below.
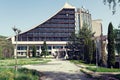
27, 52
40, 49
52, 51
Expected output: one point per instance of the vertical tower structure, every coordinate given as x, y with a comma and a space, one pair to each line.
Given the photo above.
83, 17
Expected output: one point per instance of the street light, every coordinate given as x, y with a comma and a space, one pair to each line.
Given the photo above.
17, 32
96, 53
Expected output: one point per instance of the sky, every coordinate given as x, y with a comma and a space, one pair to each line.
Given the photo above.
26, 14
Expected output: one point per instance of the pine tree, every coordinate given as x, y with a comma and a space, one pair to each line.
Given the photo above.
86, 34
34, 51
111, 52
94, 53
117, 40
44, 49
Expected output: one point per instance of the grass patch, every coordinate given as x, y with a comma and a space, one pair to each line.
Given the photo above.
101, 69
22, 74
23, 61
81, 62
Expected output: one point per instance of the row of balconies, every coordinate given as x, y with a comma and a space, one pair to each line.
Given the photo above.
60, 20
56, 25
43, 38
46, 31
67, 11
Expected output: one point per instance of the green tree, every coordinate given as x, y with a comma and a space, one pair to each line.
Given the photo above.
33, 51
6, 48
94, 53
83, 43
72, 41
74, 45
117, 40
44, 49
111, 47
86, 35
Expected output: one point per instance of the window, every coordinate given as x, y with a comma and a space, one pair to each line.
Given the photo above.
57, 47
49, 47
22, 48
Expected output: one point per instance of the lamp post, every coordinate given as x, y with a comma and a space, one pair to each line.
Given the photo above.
17, 32
96, 54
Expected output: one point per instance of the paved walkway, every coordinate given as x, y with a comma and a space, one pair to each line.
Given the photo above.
59, 70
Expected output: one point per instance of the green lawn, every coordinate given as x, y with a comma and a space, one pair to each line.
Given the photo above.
21, 74
81, 62
102, 69
23, 61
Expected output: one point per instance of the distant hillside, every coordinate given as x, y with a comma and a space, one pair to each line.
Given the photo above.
6, 47
3, 37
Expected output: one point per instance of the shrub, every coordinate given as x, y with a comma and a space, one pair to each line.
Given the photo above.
22, 74
6, 75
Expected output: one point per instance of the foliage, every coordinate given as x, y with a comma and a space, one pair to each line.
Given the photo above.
77, 61
44, 49
72, 42
23, 61
117, 40
82, 44
22, 74
6, 48
86, 34
81, 62
102, 69
34, 51
30, 74
111, 47
94, 53
113, 3
6, 74
74, 45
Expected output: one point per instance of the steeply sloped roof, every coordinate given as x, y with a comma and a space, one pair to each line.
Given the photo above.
66, 6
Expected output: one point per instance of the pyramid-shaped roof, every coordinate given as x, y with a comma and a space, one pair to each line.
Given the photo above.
68, 6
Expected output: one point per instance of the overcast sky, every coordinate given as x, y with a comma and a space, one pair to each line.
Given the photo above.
25, 14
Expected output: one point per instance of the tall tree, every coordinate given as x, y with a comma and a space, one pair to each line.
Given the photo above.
33, 51
111, 47
44, 49
86, 34
94, 53
117, 40
72, 41
74, 45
